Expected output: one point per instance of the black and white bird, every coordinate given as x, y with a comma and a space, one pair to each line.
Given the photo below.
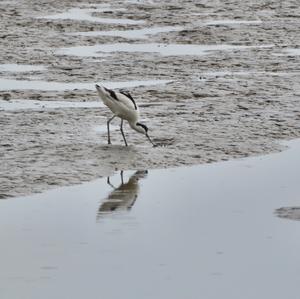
123, 106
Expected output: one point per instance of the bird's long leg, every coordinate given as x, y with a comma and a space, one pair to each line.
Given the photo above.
150, 140
121, 128
108, 132
122, 179
109, 183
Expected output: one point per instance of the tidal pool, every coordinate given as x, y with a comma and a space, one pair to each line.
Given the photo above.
131, 34
293, 52
20, 68
12, 84
288, 52
85, 14
207, 231
162, 49
13, 105
232, 22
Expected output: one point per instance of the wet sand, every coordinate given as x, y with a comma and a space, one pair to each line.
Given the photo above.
234, 85
208, 231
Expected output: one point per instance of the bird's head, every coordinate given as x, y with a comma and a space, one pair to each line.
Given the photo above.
99, 88
143, 129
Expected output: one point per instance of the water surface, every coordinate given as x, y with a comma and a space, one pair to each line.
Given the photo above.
232, 22
20, 68
162, 49
86, 14
13, 105
12, 84
133, 33
206, 231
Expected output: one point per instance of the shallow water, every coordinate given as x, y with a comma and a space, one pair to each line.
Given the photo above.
288, 52
19, 68
293, 52
84, 14
11, 84
163, 49
232, 22
200, 232
13, 105
134, 33
247, 73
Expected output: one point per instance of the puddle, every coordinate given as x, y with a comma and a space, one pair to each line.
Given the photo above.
19, 68
85, 14
163, 49
10, 84
232, 22
13, 105
179, 226
293, 52
134, 34
288, 52
246, 73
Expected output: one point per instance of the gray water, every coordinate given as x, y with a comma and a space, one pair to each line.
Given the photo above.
12, 84
207, 231
85, 14
162, 49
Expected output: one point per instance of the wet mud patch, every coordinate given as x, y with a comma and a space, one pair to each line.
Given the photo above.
163, 141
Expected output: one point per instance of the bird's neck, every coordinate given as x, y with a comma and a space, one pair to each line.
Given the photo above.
135, 127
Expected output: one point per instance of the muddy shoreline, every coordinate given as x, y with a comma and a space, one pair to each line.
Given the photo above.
219, 105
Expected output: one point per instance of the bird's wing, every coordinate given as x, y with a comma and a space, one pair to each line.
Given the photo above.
127, 100
123, 98
128, 95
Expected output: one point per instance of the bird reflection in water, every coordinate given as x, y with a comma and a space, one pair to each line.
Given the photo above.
123, 197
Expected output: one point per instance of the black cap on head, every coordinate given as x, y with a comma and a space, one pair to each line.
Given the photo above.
143, 126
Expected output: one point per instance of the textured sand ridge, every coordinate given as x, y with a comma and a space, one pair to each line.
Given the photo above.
234, 93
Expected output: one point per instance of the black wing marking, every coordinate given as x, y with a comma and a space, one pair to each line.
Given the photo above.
128, 95
112, 93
